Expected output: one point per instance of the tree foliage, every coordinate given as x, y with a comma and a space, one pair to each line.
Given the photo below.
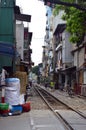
76, 21
35, 70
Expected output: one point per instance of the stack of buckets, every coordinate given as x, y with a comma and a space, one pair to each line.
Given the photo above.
11, 102
4, 109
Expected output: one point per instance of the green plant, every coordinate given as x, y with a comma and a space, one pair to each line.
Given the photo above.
75, 21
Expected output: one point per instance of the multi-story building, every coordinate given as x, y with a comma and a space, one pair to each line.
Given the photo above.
23, 38
79, 54
69, 60
63, 58
19, 39
12, 35
47, 52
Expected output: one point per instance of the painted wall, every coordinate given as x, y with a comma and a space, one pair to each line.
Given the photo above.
20, 38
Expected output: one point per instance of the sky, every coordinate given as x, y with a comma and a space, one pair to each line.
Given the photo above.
37, 10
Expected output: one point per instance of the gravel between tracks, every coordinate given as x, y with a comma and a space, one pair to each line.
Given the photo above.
36, 101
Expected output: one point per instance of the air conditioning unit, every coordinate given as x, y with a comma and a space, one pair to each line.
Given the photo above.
83, 91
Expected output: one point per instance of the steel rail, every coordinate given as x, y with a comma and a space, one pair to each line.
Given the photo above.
71, 108
65, 123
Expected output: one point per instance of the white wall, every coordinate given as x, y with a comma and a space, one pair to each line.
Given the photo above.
58, 20
79, 58
66, 48
20, 38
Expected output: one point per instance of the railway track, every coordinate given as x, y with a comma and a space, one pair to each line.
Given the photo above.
61, 110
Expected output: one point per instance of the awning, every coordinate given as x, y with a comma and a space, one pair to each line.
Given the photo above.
27, 63
7, 49
23, 17
69, 69
60, 28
